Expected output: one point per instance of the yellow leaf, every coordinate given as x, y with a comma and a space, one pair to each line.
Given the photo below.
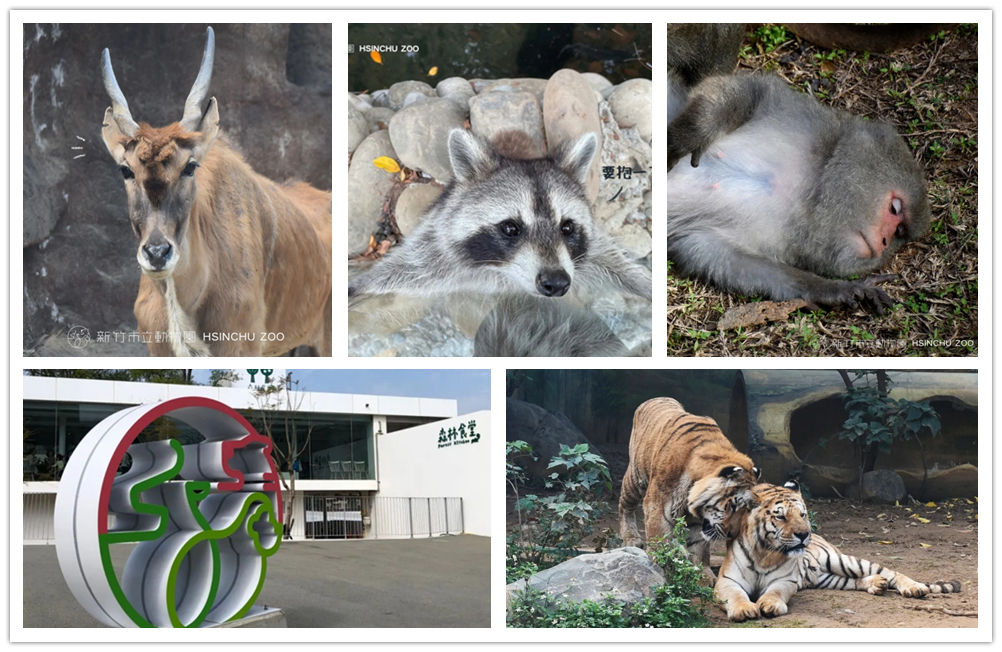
930, 504
919, 518
376, 57
969, 502
897, 504
881, 515
886, 543
433, 71
386, 163
402, 175
925, 545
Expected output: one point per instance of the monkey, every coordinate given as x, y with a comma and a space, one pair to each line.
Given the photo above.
780, 193
700, 50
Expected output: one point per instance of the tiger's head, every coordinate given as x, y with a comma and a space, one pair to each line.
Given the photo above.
721, 494
777, 520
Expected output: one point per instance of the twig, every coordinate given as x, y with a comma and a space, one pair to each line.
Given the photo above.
948, 612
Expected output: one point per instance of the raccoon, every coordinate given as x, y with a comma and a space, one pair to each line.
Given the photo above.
508, 224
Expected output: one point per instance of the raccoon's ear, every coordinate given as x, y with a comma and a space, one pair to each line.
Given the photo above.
471, 157
575, 159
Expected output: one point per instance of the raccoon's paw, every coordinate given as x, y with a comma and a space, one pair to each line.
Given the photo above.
913, 589
771, 607
874, 584
740, 611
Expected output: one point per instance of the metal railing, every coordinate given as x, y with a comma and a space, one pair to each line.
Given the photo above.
335, 517
38, 512
416, 517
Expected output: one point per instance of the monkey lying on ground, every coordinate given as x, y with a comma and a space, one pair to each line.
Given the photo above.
780, 192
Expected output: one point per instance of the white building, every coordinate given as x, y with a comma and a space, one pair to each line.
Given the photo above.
371, 467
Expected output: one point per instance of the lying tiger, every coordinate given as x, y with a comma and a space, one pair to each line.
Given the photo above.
773, 554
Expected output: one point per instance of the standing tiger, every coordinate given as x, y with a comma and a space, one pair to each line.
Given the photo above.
680, 462
773, 554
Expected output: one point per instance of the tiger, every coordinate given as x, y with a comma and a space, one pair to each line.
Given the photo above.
772, 554
680, 463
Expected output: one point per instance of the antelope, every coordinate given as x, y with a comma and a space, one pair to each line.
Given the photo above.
232, 263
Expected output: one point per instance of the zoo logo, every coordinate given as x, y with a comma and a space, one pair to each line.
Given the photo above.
459, 436
78, 337
205, 517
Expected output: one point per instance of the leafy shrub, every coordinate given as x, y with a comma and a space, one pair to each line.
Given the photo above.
679, 602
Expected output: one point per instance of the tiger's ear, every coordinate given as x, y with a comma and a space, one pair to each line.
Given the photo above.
792, 484
758, 472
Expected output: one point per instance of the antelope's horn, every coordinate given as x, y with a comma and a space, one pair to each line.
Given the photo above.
200, 89
119, 105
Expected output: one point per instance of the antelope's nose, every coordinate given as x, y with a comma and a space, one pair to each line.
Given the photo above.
158, 255
553, 282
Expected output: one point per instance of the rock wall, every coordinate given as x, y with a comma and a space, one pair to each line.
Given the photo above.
273, 85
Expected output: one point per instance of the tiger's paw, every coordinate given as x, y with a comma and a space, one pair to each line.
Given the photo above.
874, 584
770, 607
913, 590
741, 611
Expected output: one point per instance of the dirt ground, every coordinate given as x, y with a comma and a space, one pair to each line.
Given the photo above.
945, 548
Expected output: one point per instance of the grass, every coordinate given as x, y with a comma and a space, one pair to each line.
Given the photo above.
929, 92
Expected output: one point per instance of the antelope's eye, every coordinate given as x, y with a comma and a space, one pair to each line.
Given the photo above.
189, 170
509, 228
127, 172
567, 227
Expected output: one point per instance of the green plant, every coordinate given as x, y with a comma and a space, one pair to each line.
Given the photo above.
679, 602
770, 37
876, 420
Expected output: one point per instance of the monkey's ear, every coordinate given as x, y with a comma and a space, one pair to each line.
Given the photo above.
470, 156
575, 159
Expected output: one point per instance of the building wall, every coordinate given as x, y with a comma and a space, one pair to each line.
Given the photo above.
412, 464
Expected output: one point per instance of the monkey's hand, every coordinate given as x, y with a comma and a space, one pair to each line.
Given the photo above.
852, 293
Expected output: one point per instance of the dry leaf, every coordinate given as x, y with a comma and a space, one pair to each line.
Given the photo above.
920, 519
760, 312
433, 71
925, 545
376, 57
881, 515
930, 504
386, 163
886, 543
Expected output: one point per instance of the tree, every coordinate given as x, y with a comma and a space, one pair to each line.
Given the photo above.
164, 376
278, 409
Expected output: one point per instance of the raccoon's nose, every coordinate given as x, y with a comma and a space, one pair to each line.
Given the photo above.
553, 282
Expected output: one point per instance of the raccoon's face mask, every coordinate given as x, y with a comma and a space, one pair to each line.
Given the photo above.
527, 217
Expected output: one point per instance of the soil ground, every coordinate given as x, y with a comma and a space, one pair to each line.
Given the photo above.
942, 549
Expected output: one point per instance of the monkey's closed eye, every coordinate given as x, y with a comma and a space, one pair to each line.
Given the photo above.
127, 172
567, 227
189, 170
509, 228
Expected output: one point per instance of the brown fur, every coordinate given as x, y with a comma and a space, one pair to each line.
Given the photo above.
257, 255
678, 462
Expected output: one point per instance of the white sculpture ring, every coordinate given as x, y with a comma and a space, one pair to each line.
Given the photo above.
205, 518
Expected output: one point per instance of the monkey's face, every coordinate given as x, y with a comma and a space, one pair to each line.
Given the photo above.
875, 197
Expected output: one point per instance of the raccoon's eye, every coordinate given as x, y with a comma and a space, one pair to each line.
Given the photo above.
189, 170
127, 172
567, 227
509, 228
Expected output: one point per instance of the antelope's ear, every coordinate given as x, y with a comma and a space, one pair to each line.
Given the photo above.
114, 136
575, 159
208, 128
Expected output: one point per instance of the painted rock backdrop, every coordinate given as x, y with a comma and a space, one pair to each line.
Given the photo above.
273, 85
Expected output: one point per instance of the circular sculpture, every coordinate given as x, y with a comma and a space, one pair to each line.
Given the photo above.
204, 517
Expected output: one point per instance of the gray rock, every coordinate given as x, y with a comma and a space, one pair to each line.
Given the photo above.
624, 574
412, 204
631, 104
379, 118
367, 189
399, 92
569, 111
528, 84
420, 135
494, 112
413, 98
456, 89
883, 486
361, 103
544, 431
80, 254
381, 98
358, 127
596, 81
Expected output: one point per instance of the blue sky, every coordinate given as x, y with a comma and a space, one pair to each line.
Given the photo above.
470, 387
